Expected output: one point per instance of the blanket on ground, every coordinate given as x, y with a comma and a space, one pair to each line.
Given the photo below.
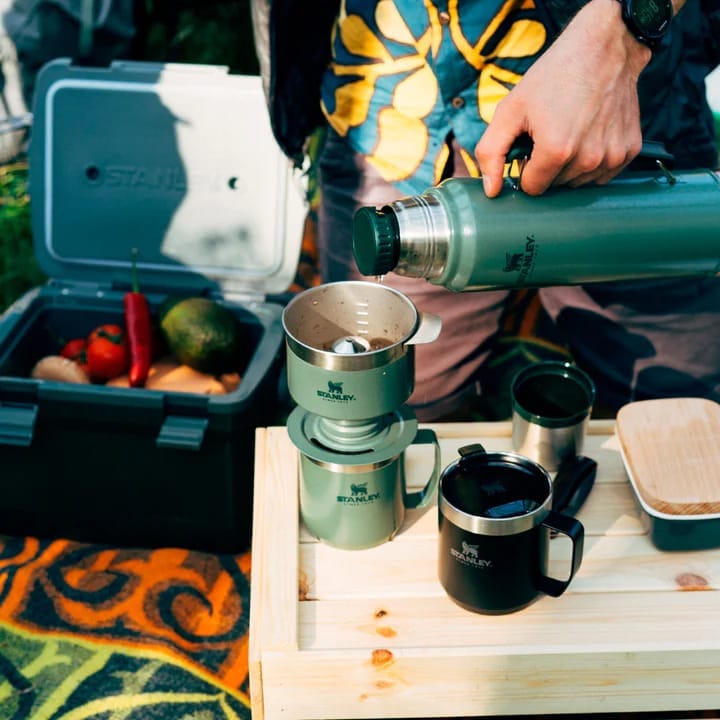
88, 631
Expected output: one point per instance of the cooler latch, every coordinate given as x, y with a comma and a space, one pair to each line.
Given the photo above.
179, 432
17, 423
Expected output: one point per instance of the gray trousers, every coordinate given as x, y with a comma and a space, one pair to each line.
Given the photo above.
637, 340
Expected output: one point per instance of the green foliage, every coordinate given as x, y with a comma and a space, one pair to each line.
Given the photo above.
18, 269
207, 32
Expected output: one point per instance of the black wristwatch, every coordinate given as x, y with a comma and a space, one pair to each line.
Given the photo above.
648, 20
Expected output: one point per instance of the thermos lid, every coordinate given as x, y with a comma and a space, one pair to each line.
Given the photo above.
376, 241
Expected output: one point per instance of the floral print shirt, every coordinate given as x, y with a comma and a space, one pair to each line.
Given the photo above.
407, 74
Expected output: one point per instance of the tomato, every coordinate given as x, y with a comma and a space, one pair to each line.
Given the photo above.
115, 333
73, 348
107, 353
76, 350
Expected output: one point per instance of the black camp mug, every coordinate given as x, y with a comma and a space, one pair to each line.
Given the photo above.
495, 519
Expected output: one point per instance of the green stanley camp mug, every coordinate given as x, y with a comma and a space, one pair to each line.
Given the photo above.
355, 502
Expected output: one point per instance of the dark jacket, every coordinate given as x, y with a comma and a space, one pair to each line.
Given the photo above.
293, 41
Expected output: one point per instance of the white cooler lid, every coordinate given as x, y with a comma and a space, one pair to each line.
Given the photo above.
178, 161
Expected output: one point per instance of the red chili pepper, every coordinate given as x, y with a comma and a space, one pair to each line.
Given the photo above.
139, 332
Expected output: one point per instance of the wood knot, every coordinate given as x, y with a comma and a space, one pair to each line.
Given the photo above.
386, 631
303, 587
382, 658
380, 614
691, 581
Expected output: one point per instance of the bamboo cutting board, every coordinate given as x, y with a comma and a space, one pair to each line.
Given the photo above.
672, 451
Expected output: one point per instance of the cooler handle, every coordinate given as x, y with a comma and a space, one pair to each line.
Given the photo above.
17, 424
182, 433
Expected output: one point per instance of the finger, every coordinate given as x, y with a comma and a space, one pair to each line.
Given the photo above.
492, 150
588, 162
606, 177
601, 176
542, 169
599, 168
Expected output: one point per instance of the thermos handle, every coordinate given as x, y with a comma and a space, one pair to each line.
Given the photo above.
651, 151
421, 498
521, 148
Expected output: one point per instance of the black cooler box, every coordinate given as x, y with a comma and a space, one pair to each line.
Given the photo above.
179, 162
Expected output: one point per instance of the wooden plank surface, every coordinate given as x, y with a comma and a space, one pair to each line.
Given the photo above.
371, 633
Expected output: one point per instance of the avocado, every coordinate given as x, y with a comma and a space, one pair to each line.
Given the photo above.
202, 334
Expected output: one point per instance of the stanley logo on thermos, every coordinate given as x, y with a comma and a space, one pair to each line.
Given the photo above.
335, 393
522, 262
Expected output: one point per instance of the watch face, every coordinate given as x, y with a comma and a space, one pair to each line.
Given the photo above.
651, 17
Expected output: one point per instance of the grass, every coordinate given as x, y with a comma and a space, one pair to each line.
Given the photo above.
18, 269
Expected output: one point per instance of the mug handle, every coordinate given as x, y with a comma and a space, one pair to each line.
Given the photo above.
576, 532
421, 498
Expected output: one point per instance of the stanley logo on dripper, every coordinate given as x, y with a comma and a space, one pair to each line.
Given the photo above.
335, 393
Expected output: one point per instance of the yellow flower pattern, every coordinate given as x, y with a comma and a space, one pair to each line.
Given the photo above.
406, 74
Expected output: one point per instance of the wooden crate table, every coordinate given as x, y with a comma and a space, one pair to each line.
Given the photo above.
371, 634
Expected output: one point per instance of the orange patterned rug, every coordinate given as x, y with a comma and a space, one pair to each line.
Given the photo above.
88, 631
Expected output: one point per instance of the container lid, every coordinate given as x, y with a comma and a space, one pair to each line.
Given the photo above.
671, 448
177, 161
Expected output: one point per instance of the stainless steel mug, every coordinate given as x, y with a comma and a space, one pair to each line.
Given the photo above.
551, 406
495, 520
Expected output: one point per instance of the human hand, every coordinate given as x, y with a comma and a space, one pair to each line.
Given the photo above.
578, 103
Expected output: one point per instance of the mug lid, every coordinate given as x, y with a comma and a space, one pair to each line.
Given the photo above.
483, 492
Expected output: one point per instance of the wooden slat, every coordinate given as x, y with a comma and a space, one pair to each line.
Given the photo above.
410, 569
620, 622
609, 510
275, 570
432, 682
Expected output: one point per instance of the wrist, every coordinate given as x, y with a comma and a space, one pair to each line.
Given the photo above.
619, 41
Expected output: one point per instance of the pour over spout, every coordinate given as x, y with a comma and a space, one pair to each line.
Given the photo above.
428, 329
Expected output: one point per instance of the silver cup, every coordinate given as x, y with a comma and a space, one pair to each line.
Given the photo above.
551, 406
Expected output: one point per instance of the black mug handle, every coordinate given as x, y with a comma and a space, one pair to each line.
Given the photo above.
576, 532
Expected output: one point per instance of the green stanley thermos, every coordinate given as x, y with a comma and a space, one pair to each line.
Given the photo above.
637, 226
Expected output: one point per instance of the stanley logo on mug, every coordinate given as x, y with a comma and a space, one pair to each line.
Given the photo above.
358, 495
469, 556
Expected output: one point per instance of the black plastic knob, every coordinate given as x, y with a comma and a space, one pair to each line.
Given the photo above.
376, 240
